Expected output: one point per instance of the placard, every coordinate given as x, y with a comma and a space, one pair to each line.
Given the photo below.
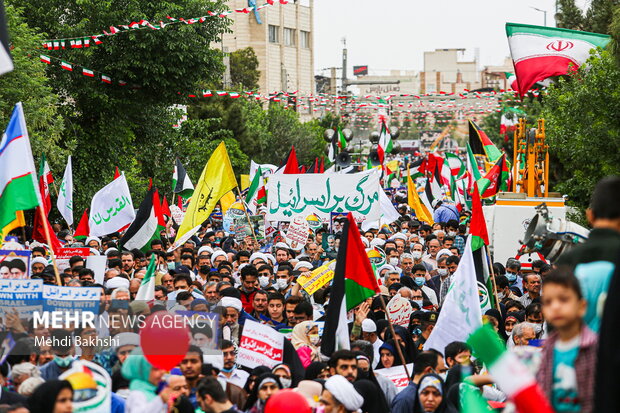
77, 299
297, 234
260, 345
318, 278
64, 255
23, 296
399, 310
397, 375
10, 255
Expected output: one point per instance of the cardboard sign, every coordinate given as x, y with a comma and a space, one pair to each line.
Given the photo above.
399, 310
260, 345
297, 234
317, 278
15, 274
65, 254
397, 375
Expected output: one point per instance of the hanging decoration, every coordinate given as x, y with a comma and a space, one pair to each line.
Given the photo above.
72, 67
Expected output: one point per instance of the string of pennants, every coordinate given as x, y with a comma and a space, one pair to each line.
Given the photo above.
81, 42
94, 74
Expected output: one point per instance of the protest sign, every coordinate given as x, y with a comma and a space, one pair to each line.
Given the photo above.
397, 375
15, 273
258, 225
64, 255
260, 345
317, 278
177, 214
92, 387
111, 208
23, 296
297, 234
76, 299
399, 310
270, 229
97, 263
292, 194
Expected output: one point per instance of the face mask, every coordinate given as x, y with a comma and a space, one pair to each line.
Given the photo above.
63, 362
452, 233
204, 269
422, 240
500, 295
393, 261
286, 383
247, 290
281, 283
419, 303
225, 370
442, 271
511, 277
263, 280
315, 339
171, 265
538, 328
420, 281
416, 255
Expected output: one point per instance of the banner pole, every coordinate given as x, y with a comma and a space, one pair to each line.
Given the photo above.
44, 222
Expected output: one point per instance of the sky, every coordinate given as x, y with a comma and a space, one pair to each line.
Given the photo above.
394, 34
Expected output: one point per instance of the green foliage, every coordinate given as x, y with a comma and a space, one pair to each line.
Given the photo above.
28, 84
131, 127
244, 72
583, 127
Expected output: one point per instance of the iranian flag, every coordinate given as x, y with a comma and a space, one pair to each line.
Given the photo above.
385, 142
511, 376
45, 59
147, 225
456, 165
509, 120
539, 52
479, 238
354, 281
251, 198
45, 180
206, 93
511, 79
18, 187
146, 292
88, 72
106, 79
473, 172
66, 66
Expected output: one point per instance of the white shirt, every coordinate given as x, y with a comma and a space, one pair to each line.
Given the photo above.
377, 356
238, 377
137, 403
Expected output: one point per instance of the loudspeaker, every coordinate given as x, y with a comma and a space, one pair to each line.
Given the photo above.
374, 158
343, 159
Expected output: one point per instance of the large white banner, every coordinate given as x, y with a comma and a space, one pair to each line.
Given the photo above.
111, 208
260, 345
65, 195
303, 194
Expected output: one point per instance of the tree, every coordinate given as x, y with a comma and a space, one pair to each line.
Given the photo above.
597, 18
129, 126
244, 72
583, 127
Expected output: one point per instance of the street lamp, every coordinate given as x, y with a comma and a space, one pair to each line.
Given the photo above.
544, 11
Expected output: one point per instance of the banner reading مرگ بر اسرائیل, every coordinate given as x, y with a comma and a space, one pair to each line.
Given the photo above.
289, 195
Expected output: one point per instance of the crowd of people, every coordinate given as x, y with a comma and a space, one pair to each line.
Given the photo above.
549, 315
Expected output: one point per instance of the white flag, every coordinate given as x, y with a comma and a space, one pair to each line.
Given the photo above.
111, 208
65, 195
460, 315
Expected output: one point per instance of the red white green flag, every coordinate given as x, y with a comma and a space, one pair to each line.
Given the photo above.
495, 180
88, 72
542, 52
45, 180
45, 59
66, 66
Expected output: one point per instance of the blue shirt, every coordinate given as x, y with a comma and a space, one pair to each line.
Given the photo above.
405, 401
445, 213
564, 396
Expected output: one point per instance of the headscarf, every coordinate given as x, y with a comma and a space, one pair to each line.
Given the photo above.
390, 346
257, 371
137, 369
43, 400
411, 351
299, 337
344, 392
501, 329
262, 379
314, 369
369, 391
433, 380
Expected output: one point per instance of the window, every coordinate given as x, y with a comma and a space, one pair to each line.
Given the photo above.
304, 39
289, 37
274, 34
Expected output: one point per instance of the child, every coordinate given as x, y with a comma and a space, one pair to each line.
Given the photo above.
567, 370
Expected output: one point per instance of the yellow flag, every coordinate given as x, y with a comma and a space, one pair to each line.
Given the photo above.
245, 182
414, 202
18, 222
227, 200
216, 180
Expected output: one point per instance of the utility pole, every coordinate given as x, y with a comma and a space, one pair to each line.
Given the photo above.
344, 65
226, 76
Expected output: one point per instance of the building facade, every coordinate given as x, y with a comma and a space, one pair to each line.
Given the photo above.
282, 41
444, 71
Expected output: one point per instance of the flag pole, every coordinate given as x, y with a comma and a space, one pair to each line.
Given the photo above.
398, 349
44, 221
486, 250
245, 208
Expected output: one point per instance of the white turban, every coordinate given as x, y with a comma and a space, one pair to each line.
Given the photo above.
109, 250
39, 260
388, 267
89, 239
117, 282
258, 255
271, 258
303, 264
231, 302
444, 251
399, 235
219, 253
377, 242
344, 392
205, 248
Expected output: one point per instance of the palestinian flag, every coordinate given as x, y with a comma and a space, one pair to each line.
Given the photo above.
418, 168
495, 180
253, 191
539, 52
180, 181
354, 281
148, 224
146, 292
456, 165
385, 142
479, 238
291, 166
473, 172
165, 209
83, 229
511, 376
45, 180
481, 144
